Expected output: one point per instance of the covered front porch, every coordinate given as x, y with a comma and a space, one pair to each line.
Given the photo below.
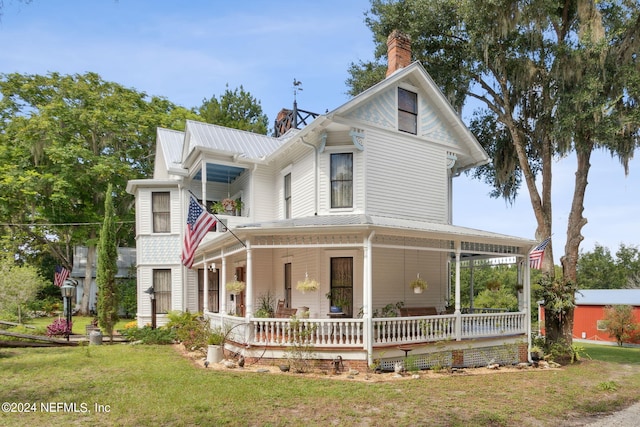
391, 338
384, 259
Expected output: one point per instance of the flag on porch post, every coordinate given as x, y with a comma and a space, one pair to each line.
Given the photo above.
60, 276
537, 254
199, 222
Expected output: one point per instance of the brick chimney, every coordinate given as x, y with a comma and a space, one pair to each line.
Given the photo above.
398, 51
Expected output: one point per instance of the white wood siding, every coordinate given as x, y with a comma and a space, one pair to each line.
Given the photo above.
263, 201
144, 213
393, 269
359, 185
405, 177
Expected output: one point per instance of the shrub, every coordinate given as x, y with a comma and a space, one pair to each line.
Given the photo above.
58, 328
149, 336
191, 329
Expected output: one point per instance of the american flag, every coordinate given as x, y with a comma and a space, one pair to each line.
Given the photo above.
199, 222
60, 276
537, 254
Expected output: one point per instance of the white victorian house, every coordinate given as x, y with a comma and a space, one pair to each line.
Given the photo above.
359, 200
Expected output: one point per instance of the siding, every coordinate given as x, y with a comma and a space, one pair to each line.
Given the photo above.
324, 170
391, 282
144, 215
264, 195
405, 177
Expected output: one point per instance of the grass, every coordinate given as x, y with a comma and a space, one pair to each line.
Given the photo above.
78, 323
614, 354
155, 385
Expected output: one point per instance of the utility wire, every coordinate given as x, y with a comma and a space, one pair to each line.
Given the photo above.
10, 224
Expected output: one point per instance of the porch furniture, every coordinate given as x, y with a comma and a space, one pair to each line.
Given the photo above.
283, 312
418, 311
336, 315
406, 349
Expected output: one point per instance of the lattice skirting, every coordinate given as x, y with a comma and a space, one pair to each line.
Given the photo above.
508, 354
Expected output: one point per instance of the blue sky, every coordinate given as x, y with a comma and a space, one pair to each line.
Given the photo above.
188, 51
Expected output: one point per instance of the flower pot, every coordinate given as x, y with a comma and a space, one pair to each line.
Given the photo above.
214, 353
417, 290
335, 309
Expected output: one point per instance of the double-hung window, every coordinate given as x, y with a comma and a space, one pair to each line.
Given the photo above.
162, 289
287, 195
342, 180
407, 111
160, 207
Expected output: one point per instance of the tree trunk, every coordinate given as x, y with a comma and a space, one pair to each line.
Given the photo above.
88, 277
559, 324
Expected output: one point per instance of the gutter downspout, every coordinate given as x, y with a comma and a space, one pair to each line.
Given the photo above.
315, 171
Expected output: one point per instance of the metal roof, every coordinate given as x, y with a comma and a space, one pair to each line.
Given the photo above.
608, 297
126, 260
170, 143
246, 145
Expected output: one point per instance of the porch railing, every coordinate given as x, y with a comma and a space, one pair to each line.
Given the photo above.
492, 324
401, 330
386, 331
316, 332
405, 330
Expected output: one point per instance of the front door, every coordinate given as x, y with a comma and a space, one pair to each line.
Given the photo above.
342, 284
240, 298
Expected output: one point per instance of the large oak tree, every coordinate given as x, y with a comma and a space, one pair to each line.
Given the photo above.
63, 139
554, 77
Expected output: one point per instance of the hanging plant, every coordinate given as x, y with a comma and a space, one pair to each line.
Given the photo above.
418, 285
307, 284
229, 204
235, 287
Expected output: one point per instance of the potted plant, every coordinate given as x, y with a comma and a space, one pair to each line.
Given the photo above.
217, 207
337, 301
418, 285
307, 284
235, 287
214, 347
229, 205
536, 353
239, 205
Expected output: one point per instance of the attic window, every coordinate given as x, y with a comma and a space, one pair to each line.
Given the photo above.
407, 111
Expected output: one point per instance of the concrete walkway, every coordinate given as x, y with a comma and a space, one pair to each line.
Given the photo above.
627, 417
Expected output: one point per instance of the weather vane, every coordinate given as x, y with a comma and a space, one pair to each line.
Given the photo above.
296, 88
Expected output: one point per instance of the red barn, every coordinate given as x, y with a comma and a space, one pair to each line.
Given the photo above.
588, 319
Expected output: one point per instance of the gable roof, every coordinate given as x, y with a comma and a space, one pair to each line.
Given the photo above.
608, 297
418, 76
254, 148
168, 150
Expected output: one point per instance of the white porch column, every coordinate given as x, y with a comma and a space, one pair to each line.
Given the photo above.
457, 312
205, 290
367, 297
223, 284
203, 172
248, 313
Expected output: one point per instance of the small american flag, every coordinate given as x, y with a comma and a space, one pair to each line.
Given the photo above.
537, 254
199, 222
60, 276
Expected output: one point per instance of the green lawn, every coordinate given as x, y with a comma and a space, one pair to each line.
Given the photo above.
155, 385
78, 323
615, 354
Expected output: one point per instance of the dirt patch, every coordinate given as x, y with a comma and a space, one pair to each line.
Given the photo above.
198, 359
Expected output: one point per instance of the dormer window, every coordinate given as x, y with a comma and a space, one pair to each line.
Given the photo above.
407, 111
